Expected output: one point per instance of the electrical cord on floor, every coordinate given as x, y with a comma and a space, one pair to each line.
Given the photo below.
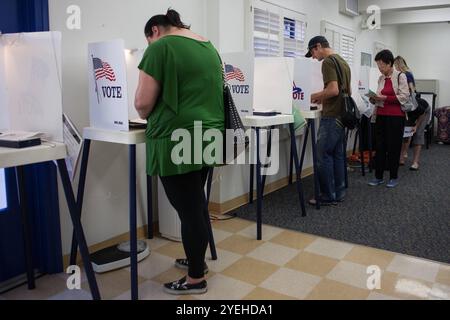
224, 217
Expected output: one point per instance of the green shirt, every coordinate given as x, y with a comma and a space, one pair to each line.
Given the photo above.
190, 75
333, 107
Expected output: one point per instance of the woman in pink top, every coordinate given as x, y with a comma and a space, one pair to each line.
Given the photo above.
390, 123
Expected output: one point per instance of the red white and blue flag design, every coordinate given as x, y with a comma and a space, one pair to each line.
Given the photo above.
233, 73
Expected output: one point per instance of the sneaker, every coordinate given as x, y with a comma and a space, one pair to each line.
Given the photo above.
376, 182
181, 287
414, 167
392, 183
184, 264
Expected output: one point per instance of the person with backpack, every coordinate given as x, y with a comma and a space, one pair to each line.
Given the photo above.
330, 140
392, 92
418, 119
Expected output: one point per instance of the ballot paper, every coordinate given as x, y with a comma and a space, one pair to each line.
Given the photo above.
409, 132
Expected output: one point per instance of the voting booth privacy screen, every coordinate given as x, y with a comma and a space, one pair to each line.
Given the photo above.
108, 91
31, 83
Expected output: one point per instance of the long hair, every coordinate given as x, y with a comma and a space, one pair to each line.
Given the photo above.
170, 19
401, 64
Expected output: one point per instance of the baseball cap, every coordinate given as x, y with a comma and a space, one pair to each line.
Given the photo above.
314, 42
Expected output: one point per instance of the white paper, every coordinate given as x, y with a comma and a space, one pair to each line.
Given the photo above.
108, 90
74, 143
408, 132
30, 78
17, 136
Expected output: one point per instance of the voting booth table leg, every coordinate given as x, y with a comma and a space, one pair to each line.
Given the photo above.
80, 196
312, 126
26, 229
297, 169
149, 208
252, 172
78, 229
345, 158
258, 188
133, 222
269, 153
291, 165
212, 246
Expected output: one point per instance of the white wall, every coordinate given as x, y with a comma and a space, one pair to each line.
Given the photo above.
105, 211
426, 49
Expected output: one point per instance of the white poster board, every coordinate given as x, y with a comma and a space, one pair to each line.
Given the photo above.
108, 91
273, 84
239, 74
31, 84
302, 86
133, 58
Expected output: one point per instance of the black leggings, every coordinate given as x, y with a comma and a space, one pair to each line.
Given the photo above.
187, 195
389, 138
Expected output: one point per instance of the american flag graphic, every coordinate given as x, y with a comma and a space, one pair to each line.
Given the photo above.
103, 70
233, 73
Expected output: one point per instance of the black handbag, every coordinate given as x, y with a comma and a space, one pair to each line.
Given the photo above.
350, 116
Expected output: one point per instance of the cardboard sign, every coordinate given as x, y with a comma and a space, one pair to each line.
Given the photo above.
302, 85
239, 74
108, 90
31, 84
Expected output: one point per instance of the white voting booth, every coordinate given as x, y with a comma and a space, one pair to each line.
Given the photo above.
30, 84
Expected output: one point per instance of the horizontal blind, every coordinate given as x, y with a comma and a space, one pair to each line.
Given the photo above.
266, 33
294, 37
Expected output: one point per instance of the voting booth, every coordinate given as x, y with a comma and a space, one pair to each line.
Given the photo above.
30, 84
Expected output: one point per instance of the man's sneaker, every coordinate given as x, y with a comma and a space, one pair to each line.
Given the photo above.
184, 264
376, 182
392, 183
181, 287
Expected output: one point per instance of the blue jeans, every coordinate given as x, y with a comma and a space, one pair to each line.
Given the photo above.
330, 159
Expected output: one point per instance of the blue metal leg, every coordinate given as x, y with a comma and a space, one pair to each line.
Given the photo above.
297, 170
345, 158
149, 208
316, 169
212, 245
291, 165
133, 223
27, 236
258, 189
252, 178
305, 143
78, 229
80, 196
269, 153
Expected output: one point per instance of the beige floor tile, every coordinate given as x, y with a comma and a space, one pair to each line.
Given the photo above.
273, 253
46, 287
153, 265
172, 249
187, 298
233, 225
370, 257
330, 248
239, 244
265, 294
250, 270
292, 283
220, 235
414, 267
295, 240
149, 290
440, 292
333, 290
312, 263
224, 260
404, 288
72, 295
156, 242
268, 232
380, 296
113, 284
350, 273
443, 275
221, 287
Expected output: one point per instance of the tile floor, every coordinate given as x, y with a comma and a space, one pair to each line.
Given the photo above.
285, 265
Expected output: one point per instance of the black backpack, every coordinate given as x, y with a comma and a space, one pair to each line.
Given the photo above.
350, 116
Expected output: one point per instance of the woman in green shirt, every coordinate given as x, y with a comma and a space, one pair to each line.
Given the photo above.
181, 87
